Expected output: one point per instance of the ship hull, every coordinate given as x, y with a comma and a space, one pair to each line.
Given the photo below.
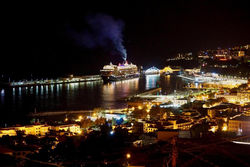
113, 78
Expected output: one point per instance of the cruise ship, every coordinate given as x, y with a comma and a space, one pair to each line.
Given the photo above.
122, 71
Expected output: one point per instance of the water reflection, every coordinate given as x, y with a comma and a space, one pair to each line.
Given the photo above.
116, 91
2, 95
151, 81
79, 96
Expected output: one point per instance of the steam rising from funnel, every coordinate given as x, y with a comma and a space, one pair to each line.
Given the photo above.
103, 31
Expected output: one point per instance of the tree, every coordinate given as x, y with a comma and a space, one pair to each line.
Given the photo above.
199, 130
7, 140
86, 123
100, 121
139, 114
105, 129
31, 139
137, 127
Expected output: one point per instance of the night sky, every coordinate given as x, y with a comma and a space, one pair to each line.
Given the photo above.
37, 37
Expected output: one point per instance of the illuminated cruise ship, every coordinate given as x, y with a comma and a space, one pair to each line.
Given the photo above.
123, 71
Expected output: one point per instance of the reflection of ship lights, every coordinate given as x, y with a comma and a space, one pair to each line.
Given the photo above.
151, 81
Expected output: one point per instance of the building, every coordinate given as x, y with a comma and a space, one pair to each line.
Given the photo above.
149, 127
182, 56
240, 125
231, 98
179, 102
211, 113
241, 53
73, 128
179, 124
222, 110
239, 97
36, 130
40, 130
206, 54
225, 54
7, 131
244, 96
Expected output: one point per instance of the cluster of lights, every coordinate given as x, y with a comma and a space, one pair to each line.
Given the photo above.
213, 129
224, 128
79, 119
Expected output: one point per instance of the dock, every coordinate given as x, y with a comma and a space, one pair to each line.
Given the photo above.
53, 113
86, 78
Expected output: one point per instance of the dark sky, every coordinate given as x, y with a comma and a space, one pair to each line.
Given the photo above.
36, 36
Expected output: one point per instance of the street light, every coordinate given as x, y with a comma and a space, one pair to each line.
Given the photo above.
224, 128
128, 156
111, 132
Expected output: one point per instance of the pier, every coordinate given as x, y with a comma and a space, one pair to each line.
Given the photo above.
53, 113
87, 78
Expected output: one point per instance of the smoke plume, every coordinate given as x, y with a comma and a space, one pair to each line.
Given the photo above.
102, 31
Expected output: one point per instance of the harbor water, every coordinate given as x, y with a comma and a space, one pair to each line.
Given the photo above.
16, 103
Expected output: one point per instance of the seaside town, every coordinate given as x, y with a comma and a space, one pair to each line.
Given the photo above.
201, 124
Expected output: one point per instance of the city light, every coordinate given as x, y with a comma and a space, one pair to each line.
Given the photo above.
111, 132
79, 132
224, 128
213, 129
79, 119
128, 155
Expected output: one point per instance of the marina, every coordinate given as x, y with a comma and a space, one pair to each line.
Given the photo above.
80, 96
